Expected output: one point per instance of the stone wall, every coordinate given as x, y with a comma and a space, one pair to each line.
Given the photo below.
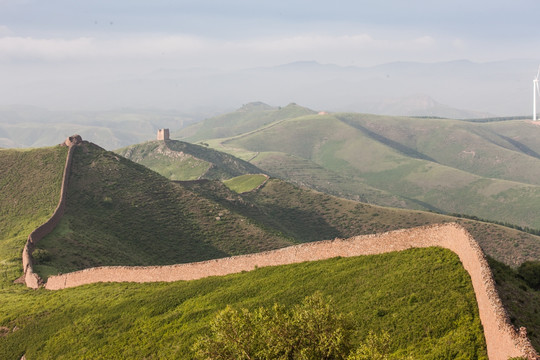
503, 340
31, 279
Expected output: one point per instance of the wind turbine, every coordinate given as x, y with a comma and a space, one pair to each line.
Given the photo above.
536, 93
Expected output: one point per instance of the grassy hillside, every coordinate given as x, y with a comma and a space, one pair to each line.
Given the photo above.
121, 213
305, 215
499, 149
422, 297
179, 160
250, 117
29, 191
520, 300
437, 164
245, 183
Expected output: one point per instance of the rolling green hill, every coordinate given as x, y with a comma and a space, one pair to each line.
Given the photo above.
178, 160
490, 170
250, 117
121, 213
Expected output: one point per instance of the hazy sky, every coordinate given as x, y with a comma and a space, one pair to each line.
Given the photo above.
62, 39
243, 33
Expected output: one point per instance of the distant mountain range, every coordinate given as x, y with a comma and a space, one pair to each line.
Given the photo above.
454, 89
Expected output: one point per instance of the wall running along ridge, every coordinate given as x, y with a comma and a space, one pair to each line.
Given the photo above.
31, 279
503, 341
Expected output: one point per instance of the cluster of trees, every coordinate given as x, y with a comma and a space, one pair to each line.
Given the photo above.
530, 272
502, 223
310, 330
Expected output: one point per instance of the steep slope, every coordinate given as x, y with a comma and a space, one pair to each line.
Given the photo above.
178, 160
306, 215
29, 191
121, 213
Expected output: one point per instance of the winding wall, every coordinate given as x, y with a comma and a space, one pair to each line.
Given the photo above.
32, 279
503, 341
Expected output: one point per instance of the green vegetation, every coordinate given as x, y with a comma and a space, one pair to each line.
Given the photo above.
245, 183
520, 299
121, 213
488, 169
177, 160
422, 297
530, 272
30, 183
250, 117
310, 330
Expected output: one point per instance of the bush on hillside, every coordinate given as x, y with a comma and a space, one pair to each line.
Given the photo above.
311, 330
530, 272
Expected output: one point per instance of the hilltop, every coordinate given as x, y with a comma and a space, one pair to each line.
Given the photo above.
178, 160
249, 117
488, 169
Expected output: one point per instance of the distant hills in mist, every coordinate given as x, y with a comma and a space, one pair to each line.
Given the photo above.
400, 88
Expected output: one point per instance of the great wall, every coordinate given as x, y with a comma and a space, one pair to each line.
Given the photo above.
502, 339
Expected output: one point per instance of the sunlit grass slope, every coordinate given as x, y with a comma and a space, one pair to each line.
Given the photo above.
121, 213
422, 297
245, 183
30, 183
178, 160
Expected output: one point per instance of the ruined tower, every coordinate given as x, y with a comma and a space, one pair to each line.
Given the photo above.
163, 134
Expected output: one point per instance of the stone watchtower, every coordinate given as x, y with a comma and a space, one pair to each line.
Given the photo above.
163, 134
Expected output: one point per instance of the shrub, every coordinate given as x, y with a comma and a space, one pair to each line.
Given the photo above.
530, 272
311, 330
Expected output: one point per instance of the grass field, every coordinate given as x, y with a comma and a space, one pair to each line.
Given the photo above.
422, 297
245, 183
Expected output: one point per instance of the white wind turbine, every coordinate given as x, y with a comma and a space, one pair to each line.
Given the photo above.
536, 93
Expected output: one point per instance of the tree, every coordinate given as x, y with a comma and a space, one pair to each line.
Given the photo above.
311, 330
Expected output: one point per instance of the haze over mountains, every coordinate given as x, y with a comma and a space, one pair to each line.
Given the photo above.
499, 88
121, 110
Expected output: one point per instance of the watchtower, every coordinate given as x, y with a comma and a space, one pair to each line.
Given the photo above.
163, 134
